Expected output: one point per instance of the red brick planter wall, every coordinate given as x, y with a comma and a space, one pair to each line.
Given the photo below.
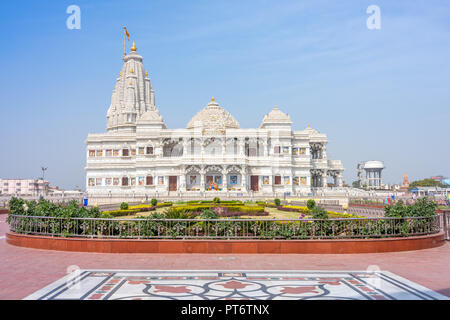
227, 246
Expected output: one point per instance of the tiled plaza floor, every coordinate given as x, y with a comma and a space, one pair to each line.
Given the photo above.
233, 285
24, 271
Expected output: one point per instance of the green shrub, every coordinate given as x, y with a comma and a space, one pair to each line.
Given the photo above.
157, 215
176, 213
319, 213
216, 200
422, 208
17, 206
310, 204
154, 202
277, 202
124, 206
209, 214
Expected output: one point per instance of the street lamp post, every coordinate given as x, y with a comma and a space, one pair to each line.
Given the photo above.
43, 180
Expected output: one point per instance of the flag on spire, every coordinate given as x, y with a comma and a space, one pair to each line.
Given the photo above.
126, 33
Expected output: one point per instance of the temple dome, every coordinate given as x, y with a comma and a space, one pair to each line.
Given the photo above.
311, 131
213, 117
150, 115
276, 117
151, 118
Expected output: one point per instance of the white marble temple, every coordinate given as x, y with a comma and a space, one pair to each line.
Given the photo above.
139, 155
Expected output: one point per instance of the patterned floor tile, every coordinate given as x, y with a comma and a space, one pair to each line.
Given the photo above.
233, 285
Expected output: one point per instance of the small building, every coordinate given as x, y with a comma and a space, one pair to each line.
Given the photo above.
23, 187
373, 169
430, 191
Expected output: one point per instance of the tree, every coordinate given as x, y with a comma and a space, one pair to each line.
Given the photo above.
425, 183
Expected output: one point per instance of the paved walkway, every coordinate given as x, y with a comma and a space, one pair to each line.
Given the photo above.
24, 271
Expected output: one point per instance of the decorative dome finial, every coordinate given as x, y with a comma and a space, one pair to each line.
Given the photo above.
212, 99
133, 48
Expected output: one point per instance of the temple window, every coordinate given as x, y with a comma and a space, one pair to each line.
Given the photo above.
149, 180
277, 150
277, 180
125, 181
108, 153
125, 152
133, 152
149, 150
91, 153
141, 150
99, 153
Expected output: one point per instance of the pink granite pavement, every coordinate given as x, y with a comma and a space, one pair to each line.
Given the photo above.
24, 271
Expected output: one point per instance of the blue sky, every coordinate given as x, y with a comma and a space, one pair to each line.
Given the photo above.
377, 94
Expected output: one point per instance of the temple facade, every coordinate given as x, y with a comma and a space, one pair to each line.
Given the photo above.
139, 156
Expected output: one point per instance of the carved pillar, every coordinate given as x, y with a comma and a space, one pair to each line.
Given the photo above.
224, 147
241, 147
339, 180
224, 180
202, 178
202, 148
183, 179
324, 179
185, 147
244, 178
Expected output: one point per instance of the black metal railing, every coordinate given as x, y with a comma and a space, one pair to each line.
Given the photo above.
146, 228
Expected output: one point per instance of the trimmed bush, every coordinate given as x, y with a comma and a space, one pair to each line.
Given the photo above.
277, 202
295, 209
124, 206
216, 200
319, 213
121, 213
310, 204
154, 202
164, 204
247, 210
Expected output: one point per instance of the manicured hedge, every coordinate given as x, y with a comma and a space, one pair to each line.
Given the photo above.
294, 209
121, 213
